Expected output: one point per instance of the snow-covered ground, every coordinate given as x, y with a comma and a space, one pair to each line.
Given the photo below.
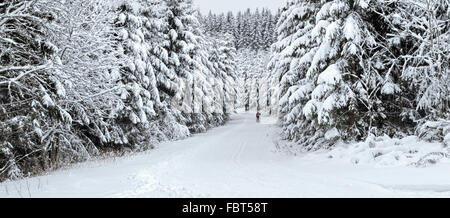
236, 160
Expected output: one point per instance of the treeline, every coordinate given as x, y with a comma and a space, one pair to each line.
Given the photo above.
83, 77
249, 30
350, 69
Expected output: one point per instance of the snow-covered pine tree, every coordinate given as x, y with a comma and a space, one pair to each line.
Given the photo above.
230, 24
247, 28
343, 100
281, 56
268, 30
255, 25
170, 124
163, 85
181, 42
221, 82
186, 57
238, 30
228, 70
331, 87
208, 24
221, 23
139, 92
198, 87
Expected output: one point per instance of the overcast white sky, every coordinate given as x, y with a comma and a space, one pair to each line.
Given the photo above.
218, 6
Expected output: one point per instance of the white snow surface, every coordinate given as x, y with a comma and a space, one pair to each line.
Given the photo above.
239, 159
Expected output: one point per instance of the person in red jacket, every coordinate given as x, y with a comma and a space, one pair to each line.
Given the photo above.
258, 115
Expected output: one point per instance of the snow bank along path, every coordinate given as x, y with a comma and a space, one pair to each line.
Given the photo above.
236, 160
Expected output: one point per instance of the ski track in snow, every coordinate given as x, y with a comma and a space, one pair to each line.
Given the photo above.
235, 160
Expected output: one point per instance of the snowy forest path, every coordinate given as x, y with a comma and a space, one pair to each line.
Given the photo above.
235, 160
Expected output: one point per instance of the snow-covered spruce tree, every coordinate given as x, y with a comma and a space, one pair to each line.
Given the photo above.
341, 73
139, 90
207, 22
255, 32
186, 57
181, 42
223, 59
268, 30
230, 24
247, 29
333, 88
293, 17
212, 102
199, 87
237, 33
419, 39
162, 79
290, 62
